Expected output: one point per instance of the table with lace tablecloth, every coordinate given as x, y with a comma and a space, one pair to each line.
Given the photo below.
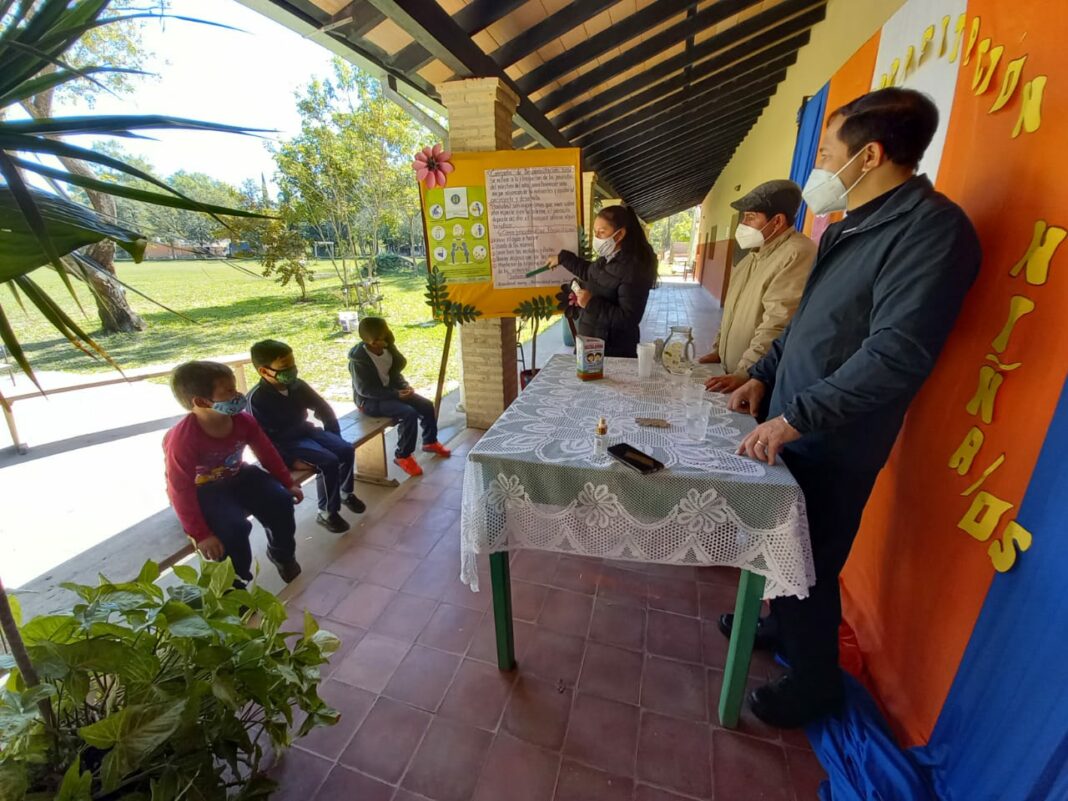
535, 481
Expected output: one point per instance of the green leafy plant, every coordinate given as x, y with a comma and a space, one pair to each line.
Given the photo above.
533, 311
141, 693
451, 314
43, 228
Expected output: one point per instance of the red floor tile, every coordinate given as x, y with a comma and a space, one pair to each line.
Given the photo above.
478, 695
517, 771
407, 512
566, 612
675, 753
484, 645
322, 594
451, 629
362, 606
580, 783
576, 575
405, 617
350, 637
749, 768
371, 663
432, 579
459, 594
427, 492
621, 586
447, 765
393, 570
603, 733
423, 677
622, 626
448, 548
555, 657
806, 774
527, 600
647, 793
299, 774
674, 636
356, 562
675, 688
538, 712
673, 595
534, 566
439, 517
344, 784
418, 541
727, 576
353, 704
383, 534
713, 645
716, 599
611, 673
386, 740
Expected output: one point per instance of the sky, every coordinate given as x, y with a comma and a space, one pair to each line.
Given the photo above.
246, 78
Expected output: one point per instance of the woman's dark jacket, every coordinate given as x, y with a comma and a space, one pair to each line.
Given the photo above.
620, 288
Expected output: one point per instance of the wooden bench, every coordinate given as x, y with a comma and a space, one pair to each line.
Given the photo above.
236, 362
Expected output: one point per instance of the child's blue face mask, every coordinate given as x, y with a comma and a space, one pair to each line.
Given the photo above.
235, 405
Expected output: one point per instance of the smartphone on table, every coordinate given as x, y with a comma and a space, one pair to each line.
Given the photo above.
635, 459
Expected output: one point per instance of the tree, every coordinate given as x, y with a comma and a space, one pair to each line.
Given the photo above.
346, 174
119, 47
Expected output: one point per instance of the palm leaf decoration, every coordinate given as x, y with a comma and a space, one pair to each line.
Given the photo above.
40, 229
452, 314
541, 307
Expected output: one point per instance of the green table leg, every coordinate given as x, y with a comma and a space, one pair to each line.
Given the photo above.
500, 577
736, 671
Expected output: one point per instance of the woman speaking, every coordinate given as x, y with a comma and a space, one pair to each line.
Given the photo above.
615, 287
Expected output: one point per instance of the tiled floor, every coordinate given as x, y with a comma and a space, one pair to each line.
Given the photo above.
614, 698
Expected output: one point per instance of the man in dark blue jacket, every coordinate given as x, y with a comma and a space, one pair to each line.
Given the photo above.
884, 293
280, 402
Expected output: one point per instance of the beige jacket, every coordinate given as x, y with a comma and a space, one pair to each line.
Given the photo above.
762, 296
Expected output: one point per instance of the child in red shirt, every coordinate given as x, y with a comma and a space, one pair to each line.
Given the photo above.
211, 488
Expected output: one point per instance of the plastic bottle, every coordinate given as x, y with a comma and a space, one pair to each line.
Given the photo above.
600, 439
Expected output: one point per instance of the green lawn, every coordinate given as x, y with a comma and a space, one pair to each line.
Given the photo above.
234, 309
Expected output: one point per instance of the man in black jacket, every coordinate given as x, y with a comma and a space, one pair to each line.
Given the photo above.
885, 291
280, 402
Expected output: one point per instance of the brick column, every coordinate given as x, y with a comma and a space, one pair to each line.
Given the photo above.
480, 118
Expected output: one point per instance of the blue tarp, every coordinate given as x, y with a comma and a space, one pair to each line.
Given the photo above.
810, 126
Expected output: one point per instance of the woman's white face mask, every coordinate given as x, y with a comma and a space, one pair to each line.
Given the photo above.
824, 191
604, 247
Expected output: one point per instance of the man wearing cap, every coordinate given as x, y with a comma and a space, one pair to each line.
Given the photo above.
766, 286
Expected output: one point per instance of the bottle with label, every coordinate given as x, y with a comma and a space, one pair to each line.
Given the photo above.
600, 439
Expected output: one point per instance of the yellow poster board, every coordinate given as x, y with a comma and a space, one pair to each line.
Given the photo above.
500, 215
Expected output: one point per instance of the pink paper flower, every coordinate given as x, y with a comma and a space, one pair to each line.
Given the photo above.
431, 165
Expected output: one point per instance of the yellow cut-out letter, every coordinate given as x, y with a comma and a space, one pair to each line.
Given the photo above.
1003, 552
1030, 119
973, 36
925, 43
1019, 306
983, 401
1044, 243
1009, 83
984, 48
891, 78
983, 516
983, 75
910, 61
959, 30
962, 458
984, 476
945, 36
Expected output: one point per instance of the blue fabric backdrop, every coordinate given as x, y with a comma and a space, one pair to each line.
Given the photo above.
808, 141
1002, 734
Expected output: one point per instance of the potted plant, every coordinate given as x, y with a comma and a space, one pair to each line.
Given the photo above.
533, 311
142, 693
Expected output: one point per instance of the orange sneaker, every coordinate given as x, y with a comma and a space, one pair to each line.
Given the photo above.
409, 466
438, 449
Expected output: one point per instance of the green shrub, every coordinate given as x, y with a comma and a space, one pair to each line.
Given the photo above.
159, 695
393, 263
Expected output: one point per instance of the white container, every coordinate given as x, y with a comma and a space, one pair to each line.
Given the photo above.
646, 359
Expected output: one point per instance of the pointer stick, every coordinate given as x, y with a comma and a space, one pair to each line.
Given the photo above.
543, 269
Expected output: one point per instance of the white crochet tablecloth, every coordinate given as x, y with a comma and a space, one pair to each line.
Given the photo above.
533, 481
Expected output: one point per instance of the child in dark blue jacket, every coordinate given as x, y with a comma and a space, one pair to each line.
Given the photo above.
380, 390
280, 402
